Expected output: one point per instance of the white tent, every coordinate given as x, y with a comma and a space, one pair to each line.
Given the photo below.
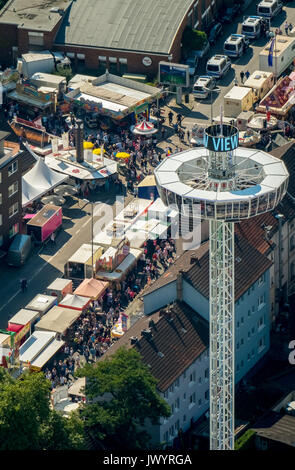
39, 180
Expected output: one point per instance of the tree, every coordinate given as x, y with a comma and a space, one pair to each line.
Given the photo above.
192, 39
123, 395
26, 420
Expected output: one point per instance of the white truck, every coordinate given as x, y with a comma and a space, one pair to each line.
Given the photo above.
282, 57
44, 62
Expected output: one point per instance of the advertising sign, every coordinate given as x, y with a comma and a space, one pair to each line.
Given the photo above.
173, 74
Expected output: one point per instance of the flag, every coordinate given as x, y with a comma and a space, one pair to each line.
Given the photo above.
270, 54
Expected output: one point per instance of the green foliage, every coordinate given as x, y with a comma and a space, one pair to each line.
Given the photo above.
246, 441
125, 397
67, 73
192, 39
26, 420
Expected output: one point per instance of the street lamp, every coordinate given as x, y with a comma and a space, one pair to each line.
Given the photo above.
90, 202
217, 89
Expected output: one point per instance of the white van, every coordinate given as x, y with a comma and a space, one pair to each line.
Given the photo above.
269, 8
203, 82
218, 66
236, 45
251, 27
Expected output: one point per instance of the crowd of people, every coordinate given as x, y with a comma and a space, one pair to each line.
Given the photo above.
91, 335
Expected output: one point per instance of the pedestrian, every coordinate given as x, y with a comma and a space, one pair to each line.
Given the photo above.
242, 74
236, 81
290, 27
24, 285
170, 117
247, 74
286, 28
188, 135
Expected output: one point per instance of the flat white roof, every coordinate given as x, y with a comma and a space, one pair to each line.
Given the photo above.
237, 93
34, 345
83, 254
257, 79
41, 303
23, 316
122, 268
47, 353
48, 77
59, 284
282, 43
105, 104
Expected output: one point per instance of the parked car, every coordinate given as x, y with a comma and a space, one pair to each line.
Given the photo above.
230, 13
215, 32
19, 250
218, 66
192, 62
202, 52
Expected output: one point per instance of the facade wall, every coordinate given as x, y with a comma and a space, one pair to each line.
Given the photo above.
9, 222
160, 298
8, 40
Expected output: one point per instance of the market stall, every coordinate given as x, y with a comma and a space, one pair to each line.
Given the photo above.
79, 265
39, 348
92, 288
120, 272
24, 317
33, 99
76, 302
58, 319
45, 223
41, 303
113, 231
159, 211
133, 211
22, 332
147, 188
6, 347
59, 288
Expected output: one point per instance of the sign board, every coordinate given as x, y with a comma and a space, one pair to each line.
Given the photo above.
221, 144
173, 74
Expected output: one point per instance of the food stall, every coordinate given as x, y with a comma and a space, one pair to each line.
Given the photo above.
76, 302
159, 211
59, 288
6, 347
58, 319
79, 266
147, 188
22, 331
122, 270
41, 303
46, 222
32, 99
92, 288
23, 317
133, 211
113, 231
39, 348
113, 256
280, 99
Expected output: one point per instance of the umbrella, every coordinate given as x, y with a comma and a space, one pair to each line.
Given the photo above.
87, 145
144, 128
122, 155
98, 151
65, 190
53, 199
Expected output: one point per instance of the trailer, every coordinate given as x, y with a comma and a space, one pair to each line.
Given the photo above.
45, 223
260, 82
283, 55
238, 99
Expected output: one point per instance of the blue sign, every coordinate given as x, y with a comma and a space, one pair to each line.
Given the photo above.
221, 144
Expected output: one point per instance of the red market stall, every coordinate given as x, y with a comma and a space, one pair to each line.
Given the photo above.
92, 288
76, 302
22, 332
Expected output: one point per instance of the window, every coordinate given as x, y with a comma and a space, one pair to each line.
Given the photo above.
13, 230
207, 373
238, 324
248, 291
238, 345
13, 189
12, 168
238, 368
172, 408
184, 396
253, 287
102, 64
13, 209
249, 313
171, 389
184, 374
113, 65
176, 404
36, 39
261, 301
253, 330
192, 400
184, 418
200, 401
261, 345
166, 436
260, 323
207, 395
242, 320
242, 341
166, 394
192, 377
122, 65
200, 380
171, 431
177, 383
292, 244
261, 280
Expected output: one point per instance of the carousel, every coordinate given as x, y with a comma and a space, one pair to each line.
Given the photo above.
249, 138
261, 122
145, 128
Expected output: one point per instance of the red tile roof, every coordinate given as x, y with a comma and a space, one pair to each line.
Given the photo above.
180, 341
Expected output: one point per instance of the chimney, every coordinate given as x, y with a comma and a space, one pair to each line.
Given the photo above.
152, 324
195, 259
79, 134
179, 288
133, 339
147, 334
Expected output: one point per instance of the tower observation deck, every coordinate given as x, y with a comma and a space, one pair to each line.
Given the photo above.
226, 184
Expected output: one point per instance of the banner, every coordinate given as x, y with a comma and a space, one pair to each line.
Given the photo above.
54, 145
270, 54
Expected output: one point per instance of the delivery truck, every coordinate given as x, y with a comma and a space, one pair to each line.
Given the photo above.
42, 62
238, 99
19, 250
45, 223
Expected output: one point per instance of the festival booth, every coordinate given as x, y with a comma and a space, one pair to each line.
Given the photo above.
147, 188
79, 266
59, 288
31, 131
39, 181
33, 99
56, 82
21, 324
114, 255
76, 302
41, 303
46, 222
115, 97
280, 99
92, 288
134, 210
58, 319
6, 347
159, 211
8, 80
39, 348
113, 231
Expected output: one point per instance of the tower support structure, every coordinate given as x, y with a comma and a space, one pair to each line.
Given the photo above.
222, 303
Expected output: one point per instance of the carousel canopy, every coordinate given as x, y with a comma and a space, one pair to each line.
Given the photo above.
144, 128
38, 181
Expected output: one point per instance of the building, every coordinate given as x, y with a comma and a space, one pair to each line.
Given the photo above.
275, 431
10, 190
130, 36
173, 336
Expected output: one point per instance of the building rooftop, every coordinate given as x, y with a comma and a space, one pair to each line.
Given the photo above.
281, 44
126, 25
250, 264
276, 427
286, 153
40, 15
181, 341
257, 79
237, 93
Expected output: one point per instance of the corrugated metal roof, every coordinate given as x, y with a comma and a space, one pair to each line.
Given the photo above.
135, 25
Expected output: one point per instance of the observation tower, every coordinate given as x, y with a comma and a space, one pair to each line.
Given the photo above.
227, 183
